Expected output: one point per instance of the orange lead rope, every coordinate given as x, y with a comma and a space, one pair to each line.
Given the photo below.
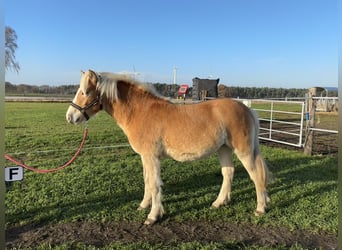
54, 169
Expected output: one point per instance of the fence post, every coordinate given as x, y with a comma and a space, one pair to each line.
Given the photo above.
310, 123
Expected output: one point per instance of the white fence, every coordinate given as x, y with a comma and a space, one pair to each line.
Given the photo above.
280, 121
289, 123
326, 104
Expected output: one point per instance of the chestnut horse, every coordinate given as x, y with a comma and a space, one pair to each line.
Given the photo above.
153, 126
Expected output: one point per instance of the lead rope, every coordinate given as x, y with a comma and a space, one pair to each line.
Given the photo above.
44, 171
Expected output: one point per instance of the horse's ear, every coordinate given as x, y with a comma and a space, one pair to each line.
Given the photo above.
92, 71
82, 72
92, 77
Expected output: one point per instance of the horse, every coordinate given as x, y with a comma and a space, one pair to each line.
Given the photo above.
153, 126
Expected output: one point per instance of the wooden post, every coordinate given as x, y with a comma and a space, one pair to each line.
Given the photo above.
204, 94
309, 139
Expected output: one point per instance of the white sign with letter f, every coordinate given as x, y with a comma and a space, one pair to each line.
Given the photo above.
14, 173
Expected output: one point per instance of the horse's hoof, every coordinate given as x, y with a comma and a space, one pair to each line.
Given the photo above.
218, 205
149, 222
258, 213
140, 208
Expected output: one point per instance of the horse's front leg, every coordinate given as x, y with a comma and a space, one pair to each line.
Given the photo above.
146, 202
154, 183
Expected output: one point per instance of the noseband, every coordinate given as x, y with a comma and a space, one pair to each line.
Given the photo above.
83, 110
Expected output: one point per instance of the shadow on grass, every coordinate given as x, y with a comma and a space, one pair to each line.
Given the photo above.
190, 188
303, 176
315, 175
86, 209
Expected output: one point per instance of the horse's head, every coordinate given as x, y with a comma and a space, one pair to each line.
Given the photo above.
87, 101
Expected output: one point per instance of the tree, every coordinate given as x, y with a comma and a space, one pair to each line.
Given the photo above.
10, 47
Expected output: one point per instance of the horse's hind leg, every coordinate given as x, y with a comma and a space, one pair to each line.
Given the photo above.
227, 169
153, 181
258, 172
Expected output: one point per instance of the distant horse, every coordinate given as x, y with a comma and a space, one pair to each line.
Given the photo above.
153, 126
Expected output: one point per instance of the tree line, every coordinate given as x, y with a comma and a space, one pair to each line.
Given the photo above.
260, 92
26, 89
168, 90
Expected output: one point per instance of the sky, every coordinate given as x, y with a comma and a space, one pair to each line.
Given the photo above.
254, 43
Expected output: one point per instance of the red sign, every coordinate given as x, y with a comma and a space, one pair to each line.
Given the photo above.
183, 89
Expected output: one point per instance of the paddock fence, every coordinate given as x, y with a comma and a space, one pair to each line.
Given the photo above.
298, 123
280, 121
322, 125
308, 123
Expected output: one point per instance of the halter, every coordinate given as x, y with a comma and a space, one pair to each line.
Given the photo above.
83, 110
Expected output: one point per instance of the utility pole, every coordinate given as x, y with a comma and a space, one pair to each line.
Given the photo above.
174, 75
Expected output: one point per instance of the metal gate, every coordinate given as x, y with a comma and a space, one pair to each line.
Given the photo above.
280, 121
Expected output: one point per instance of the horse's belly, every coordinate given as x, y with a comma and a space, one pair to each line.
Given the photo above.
191, 145
186, 156
191, 152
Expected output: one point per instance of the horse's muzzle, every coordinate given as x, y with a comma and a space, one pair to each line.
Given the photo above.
69, 118
73, 117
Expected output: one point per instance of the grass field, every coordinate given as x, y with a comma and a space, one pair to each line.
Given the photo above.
105, 185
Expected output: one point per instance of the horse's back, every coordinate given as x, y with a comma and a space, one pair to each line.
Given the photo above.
221, 113
197, 130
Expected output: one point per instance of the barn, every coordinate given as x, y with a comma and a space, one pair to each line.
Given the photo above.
204, 88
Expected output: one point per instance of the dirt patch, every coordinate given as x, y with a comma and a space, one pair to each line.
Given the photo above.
102, 234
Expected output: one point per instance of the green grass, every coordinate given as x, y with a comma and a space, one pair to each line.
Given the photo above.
288, 106
106, 184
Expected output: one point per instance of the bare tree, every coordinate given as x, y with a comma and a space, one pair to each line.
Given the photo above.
10, 47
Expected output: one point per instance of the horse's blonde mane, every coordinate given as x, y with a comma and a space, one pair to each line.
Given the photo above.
107, 84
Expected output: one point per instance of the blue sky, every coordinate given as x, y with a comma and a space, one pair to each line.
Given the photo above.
263, 43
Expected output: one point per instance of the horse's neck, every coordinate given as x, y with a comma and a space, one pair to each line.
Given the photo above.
132, 101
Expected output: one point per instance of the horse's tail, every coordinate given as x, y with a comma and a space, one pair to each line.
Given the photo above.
259, 162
